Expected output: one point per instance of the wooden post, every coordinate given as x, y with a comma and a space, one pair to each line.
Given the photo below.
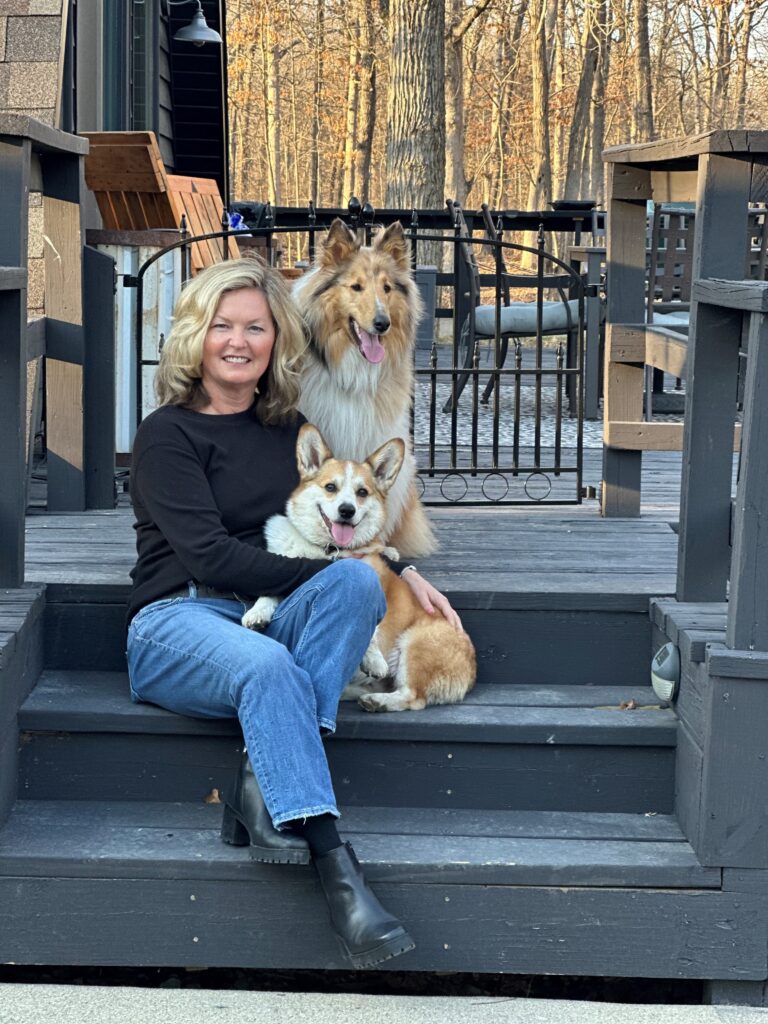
713, 341
62, 174
629, 188
99, 378
748, 605
14, 200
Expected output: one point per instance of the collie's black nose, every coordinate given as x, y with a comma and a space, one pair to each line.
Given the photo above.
346, 511
381, 324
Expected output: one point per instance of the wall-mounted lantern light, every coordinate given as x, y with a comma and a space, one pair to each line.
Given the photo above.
197, 32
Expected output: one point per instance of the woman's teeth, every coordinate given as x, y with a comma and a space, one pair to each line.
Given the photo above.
236, 359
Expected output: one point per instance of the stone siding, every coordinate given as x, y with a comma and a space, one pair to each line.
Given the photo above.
30, 45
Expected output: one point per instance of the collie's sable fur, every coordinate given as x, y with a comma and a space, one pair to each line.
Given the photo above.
361, 306
341, 506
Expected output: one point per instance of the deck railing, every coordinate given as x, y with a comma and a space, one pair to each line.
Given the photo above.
71, 336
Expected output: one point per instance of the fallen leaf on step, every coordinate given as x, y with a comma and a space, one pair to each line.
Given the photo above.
214, 797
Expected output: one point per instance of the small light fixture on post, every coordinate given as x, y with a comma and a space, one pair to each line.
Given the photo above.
197, 32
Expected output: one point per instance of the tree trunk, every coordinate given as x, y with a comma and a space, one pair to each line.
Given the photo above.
540, 190
350, 133
642, 122
366, 116
580, 120
455, 178
741, 93
597, 107
415, 152
317, 91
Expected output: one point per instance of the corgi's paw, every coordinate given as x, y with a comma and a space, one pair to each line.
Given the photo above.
391, 553
260, 615
374, 663
373, 702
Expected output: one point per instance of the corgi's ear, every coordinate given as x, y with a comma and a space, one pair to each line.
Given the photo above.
386, 462
394, 243
338, 245
311, 451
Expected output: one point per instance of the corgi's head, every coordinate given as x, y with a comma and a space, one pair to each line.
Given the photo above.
340, 503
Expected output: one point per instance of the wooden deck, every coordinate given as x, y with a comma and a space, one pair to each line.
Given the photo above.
483, 551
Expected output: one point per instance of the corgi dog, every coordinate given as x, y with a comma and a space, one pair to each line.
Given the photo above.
340, 507
361, 307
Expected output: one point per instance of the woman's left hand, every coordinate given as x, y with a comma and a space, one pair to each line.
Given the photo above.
430, 598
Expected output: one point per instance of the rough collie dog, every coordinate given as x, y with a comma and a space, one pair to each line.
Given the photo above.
342, 506
361, 307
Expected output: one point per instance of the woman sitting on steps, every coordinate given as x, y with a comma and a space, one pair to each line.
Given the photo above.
209, 467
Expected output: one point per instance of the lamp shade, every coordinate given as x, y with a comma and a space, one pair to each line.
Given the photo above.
198, 32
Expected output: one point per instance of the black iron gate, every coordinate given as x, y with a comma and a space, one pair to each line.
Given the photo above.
498, 397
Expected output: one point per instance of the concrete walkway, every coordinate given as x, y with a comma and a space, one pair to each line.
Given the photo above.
31, 1004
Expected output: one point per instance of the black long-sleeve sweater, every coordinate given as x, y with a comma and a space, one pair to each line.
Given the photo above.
202, 488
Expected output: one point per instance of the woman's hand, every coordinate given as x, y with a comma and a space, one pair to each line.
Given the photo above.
430, 598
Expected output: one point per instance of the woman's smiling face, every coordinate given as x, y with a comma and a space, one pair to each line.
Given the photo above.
237, 346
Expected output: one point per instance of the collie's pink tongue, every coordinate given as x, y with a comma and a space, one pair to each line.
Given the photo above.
342, 533
370, 346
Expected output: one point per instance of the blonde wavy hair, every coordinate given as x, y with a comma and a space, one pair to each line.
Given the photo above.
178, 378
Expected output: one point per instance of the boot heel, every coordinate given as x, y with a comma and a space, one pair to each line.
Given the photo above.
232, 829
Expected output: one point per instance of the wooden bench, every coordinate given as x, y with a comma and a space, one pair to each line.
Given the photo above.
125, 171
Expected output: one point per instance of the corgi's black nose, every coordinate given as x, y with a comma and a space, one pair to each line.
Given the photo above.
346, 511
381, 324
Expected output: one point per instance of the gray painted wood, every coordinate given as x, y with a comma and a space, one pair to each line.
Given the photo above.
738, 664
63, 179
748, 604
58, 842
98, 378
21, 659
14, 188
392, 771
513, 645
745, 880
742, 295
680, 154
626, 304
734, 813
704, 552
736, 993
282, 923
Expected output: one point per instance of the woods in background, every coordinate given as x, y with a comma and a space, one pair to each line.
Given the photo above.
403, 102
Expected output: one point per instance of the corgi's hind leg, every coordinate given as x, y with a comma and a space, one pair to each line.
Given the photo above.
401, 697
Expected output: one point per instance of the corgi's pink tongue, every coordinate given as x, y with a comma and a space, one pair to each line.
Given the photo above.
342, 533
370, 346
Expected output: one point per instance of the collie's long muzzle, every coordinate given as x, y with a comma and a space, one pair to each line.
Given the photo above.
369, 344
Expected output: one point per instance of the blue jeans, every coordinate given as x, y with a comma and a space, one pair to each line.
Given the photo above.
192, 656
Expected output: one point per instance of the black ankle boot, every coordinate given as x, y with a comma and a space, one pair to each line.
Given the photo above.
367, 932
246, 822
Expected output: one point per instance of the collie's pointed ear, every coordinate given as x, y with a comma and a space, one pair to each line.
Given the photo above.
311, 451
338, 245
386, 462
395, 244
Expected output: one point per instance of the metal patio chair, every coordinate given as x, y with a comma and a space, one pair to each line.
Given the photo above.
518, 319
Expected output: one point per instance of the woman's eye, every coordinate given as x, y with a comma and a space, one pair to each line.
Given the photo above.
361, 492
331, 488
356, 287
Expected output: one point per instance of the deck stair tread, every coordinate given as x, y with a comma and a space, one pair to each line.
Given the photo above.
72, 701
174, 840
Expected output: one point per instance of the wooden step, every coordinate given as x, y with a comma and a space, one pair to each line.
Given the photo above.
506, 747
528, 638
151, 883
